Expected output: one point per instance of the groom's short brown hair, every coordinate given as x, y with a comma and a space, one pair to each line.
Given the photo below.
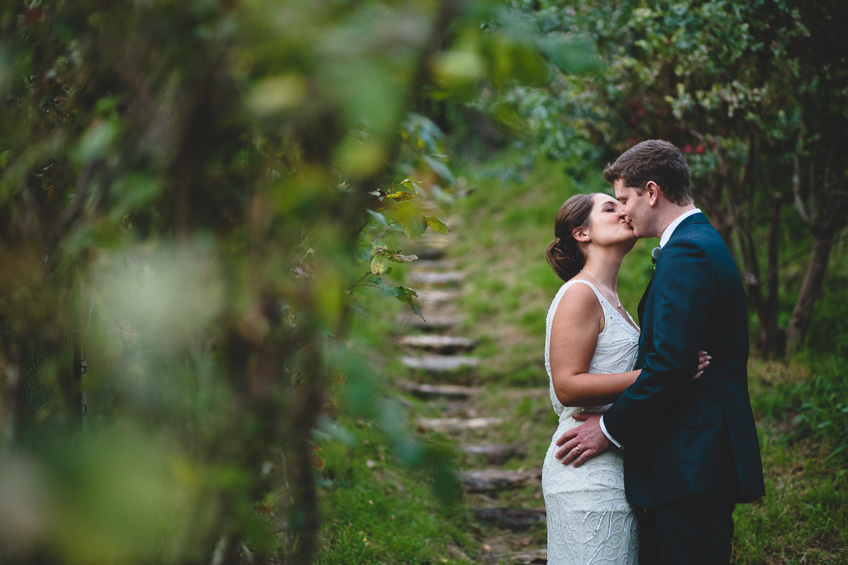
653, 160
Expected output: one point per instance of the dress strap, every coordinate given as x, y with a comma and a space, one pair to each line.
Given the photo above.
598, 294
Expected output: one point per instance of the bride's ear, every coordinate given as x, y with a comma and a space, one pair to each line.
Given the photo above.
580, 235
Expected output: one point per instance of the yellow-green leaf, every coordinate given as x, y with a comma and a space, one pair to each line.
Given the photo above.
437, 224
413, 186
400, 196
379, 264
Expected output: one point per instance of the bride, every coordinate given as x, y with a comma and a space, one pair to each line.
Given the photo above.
591, 346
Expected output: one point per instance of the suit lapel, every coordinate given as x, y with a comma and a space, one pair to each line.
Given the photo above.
694, 218
641, 309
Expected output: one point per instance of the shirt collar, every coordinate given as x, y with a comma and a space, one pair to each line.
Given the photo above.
666, 235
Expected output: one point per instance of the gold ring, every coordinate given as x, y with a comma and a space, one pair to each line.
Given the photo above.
577, 449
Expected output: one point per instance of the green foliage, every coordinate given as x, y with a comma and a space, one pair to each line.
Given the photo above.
192, 193
753, 93
189, 191
402, 207
829, 326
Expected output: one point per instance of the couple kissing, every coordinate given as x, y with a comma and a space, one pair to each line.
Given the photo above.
656, 441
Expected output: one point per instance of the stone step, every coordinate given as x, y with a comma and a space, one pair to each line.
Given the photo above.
493, 453
451, 407
529, 557
429, 252
432, 321
434, 298
441, 343
515, 519
432, 245
436, 240
495, 479
436, 277
457, 424
434, 265
439, 363
422, 390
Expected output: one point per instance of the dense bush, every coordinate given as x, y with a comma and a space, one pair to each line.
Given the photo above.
753, 93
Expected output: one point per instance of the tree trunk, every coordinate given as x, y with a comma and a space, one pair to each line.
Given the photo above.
772, 339
304, 519
763, 287
810, 291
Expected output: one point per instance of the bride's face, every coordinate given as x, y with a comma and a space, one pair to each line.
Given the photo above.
607, 225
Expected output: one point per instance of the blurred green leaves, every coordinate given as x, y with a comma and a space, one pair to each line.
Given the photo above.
175, 292
110, 499
189, 191
572, 53
281, 93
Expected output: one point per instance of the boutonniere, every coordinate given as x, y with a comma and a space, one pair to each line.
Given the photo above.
655, 254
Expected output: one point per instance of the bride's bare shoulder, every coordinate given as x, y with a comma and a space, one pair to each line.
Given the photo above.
578, 302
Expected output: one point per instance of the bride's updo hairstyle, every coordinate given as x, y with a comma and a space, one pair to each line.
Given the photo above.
563, 253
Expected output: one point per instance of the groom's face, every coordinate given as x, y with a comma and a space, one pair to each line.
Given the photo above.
634, 208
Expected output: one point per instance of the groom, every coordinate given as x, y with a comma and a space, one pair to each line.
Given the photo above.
690, 447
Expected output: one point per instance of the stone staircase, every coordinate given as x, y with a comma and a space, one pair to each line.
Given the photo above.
441, 366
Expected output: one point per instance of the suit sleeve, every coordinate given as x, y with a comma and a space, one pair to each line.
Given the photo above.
682, 295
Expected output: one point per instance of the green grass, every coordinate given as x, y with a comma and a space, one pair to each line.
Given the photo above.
802, 414
375, 510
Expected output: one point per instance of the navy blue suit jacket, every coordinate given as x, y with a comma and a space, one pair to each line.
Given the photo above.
683, 437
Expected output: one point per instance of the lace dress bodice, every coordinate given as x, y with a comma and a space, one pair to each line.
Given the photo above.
589, 518
615, 352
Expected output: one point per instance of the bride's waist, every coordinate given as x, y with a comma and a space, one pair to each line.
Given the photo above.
568, 412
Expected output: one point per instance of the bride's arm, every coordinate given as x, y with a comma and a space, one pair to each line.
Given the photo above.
578, 320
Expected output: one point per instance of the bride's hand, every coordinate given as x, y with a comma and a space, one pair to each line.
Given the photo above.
703, 363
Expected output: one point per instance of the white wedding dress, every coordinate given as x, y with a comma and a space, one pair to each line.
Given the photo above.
589, 518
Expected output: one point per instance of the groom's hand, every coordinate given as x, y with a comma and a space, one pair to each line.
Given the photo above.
583, 442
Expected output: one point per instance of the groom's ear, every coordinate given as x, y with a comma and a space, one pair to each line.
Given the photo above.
652, 193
